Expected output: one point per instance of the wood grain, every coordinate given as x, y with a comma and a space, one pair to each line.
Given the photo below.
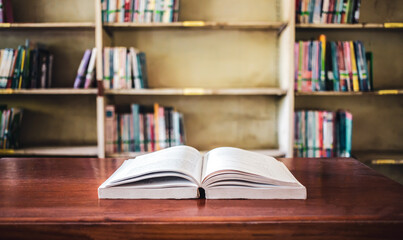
57, 198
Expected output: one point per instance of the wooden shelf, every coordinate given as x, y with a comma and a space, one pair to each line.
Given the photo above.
49, 91
198, 91
350, 26
332, 93
269, 152
203, 25
79, 151
53, 25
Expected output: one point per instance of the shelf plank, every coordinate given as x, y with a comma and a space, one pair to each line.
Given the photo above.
84, 151
52, 25
198, 91
49, 91
332, 93
202, 25
349, 26
268, 152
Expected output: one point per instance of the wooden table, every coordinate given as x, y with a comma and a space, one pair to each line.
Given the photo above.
57, 198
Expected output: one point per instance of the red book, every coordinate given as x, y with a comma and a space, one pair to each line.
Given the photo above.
8, 10
127, 10
319, 150
342, 67
331, 11
347, 60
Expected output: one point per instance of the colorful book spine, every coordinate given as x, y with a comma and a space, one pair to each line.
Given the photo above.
327, 11
141, 11
124, 68
322, 133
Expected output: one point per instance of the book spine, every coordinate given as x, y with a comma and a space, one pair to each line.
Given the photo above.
112, 11
127, 10
78, 83
161, 128
136, 127
356, 86
317, 11
322, 39
175, 15
129, 70
349, 131
300, 65
116, 66
132, 147
89, 77
356, 11
156, 127
8, 10
142, 133
109, 128
296, 65
342, 67
347, 61
1, 12
152, 132
143, 66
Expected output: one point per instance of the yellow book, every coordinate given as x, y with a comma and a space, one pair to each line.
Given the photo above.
356, 84
156, 127
22, 69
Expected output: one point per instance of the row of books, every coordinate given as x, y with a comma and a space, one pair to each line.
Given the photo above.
142, 128
6, 12
322, 133
86, 71
141, 11
328, 11
124, 68
332, 66
26, 67
10, 122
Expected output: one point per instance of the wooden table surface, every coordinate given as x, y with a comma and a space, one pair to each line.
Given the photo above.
57, 198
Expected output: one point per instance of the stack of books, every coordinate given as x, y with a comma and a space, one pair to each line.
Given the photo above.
322, 134
26, 67
332, 66
6, 12
143, 128
124, 68
86, 71
10, 122
328, 11
140, 11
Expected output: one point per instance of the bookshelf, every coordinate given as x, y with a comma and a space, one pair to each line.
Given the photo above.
228, 71
377, 115
58, 121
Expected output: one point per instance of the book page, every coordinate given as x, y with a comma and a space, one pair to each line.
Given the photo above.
228, 158
183, 159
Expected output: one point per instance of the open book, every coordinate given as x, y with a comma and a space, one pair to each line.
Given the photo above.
182, 172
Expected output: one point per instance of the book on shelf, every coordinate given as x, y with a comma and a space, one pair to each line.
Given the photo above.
322, 133
6, 11
182, 172
124, 68
10, 125
140, 11
327, 11
322, 65
86, 71
28, 66
138, 128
